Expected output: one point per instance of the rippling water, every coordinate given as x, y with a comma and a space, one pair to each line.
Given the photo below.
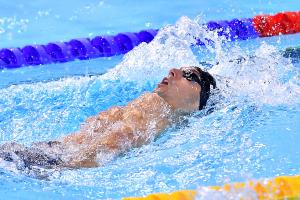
252, 133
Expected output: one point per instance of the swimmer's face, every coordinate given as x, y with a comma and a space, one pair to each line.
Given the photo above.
180, 90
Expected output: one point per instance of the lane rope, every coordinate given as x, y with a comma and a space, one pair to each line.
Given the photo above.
282, 187
111, 45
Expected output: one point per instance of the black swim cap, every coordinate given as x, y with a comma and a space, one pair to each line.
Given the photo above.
206, 80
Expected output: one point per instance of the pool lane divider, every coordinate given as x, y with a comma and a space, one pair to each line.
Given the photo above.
111, 45
282, 187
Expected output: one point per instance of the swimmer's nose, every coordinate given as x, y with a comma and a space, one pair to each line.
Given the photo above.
175, 73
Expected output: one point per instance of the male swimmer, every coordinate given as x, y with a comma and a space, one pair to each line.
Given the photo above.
120, 128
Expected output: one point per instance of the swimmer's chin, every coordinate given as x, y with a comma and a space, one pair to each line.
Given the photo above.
158, 91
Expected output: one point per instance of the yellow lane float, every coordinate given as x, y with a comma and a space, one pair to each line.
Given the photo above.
282, 187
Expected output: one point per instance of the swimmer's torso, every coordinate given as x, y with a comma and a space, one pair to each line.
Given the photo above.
116, 130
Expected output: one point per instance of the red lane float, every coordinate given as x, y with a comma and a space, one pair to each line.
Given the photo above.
107, 46
280, 23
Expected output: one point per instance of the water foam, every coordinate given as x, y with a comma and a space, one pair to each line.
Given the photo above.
201, 151
264, 76
169, 49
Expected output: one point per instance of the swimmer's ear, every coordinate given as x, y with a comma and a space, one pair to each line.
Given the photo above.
209, 78
206, 80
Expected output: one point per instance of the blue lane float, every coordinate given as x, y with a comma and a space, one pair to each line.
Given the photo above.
80, 48
107, 46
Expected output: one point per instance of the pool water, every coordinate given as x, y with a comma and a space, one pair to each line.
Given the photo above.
253, 132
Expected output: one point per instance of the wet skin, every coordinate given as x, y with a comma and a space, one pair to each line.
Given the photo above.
121, 128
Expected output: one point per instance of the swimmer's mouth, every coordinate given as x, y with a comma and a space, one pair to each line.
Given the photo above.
164, 81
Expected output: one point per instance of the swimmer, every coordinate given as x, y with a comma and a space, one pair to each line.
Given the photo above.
121, 128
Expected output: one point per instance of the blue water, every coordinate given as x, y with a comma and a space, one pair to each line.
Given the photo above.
254, 133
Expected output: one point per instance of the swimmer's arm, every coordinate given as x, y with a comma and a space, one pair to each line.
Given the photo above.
110, 139
113, 137
91, 143
75, 138
128, 128
113, 142
134, 129
94, 126
136, 124
128, 133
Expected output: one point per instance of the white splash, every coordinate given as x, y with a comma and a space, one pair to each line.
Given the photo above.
171, 48
264, 78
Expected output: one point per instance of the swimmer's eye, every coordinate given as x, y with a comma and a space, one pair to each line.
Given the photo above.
190, 75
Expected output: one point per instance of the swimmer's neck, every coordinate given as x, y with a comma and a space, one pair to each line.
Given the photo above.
176, 112
173, 111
